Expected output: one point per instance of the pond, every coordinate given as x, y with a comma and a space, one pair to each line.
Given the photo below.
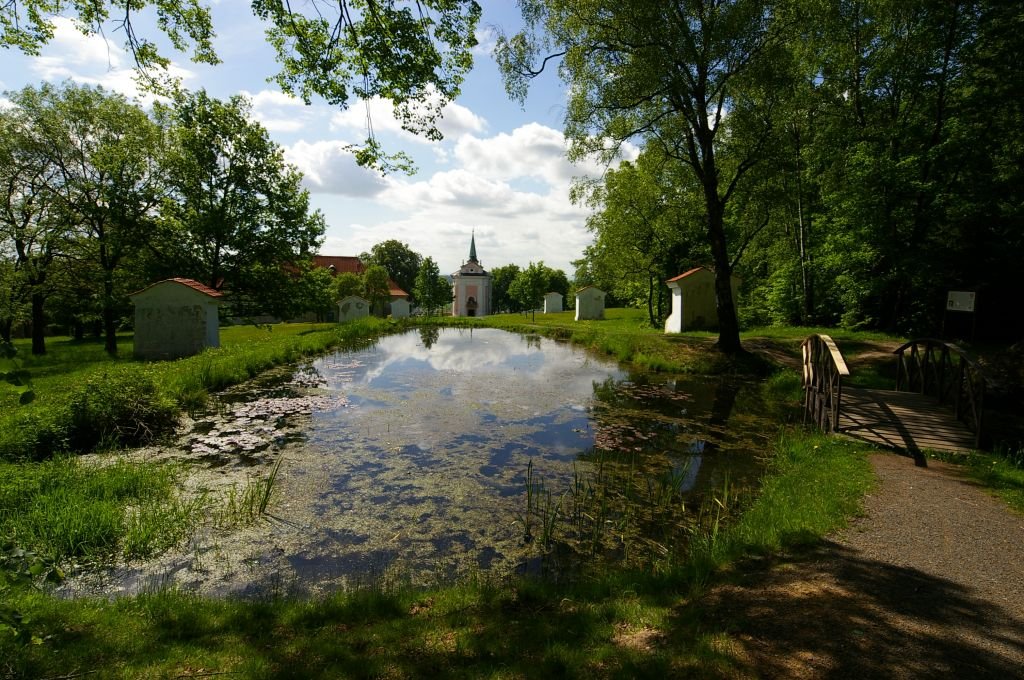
440, 453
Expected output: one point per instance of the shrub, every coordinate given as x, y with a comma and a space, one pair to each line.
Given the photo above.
123, 406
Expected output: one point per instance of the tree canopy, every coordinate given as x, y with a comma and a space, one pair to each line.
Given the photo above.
852, 168
99, 199
669, 74
414, 53
401, 262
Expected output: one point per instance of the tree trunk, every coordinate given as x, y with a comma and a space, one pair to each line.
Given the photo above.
650, 300
109, 327
6, 325
728, 325
38, 324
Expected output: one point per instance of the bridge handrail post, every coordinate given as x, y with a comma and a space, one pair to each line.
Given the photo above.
823, 371
970, 381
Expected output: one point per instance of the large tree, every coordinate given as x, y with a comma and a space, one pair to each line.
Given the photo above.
528, 288
669, 73
236, 208
100, 156
432, 290
401, 262
34, 228
501, 278
376, 289
414, 53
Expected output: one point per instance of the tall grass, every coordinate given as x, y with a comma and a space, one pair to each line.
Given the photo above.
63, 509
814, 484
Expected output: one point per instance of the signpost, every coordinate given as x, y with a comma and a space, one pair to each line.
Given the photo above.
961, 301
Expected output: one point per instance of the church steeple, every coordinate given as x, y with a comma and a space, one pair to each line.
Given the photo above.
472, 247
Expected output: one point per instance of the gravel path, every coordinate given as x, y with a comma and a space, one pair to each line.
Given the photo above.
928, 584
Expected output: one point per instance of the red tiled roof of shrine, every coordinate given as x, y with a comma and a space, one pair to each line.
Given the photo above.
395, 290
685, 274
191, 283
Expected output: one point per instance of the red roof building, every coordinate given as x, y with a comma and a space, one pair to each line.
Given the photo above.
339, 264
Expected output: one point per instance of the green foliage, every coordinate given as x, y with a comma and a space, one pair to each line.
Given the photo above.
529, 286
122, 406
63, 509
239, 211
376, 288
346, 284
433, 291
401, 262
412, 53
501, 280
14, 375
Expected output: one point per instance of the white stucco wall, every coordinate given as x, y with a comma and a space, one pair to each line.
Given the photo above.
399, 309
552, 303
476, 285
590, 304
352, 307
694, 302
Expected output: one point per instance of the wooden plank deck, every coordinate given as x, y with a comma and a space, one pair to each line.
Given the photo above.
902, 420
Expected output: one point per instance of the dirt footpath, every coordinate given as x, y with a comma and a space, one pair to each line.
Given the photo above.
928, 584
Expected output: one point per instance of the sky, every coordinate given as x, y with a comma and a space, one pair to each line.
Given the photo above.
500, 171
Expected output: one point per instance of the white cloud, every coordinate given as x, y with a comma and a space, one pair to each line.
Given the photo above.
93, 60
486, 40
532, 150
456, 120
279, 112
327, 167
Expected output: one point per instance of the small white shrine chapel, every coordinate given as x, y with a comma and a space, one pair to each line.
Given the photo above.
471, 287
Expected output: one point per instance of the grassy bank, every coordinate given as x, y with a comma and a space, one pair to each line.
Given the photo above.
86, 400
615, 625
626, 335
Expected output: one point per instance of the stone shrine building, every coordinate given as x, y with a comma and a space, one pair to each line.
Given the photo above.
471, 287
694, 301
353, 307
552, 303
589, 303
175, 318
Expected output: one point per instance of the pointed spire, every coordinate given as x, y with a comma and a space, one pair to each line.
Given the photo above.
472, 247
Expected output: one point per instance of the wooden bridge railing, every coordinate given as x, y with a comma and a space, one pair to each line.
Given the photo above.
823, 372
928, 366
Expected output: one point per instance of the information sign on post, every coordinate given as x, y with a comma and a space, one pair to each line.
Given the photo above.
960, 301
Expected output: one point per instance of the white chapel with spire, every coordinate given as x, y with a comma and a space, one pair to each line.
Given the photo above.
471, 286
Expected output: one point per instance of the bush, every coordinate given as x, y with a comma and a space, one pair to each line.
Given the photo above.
122, 406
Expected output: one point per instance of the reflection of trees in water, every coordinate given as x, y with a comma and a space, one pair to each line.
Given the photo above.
648, 485
532, 341
429, 336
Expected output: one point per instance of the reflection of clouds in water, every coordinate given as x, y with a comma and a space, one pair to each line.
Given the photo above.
488, 381
457, 351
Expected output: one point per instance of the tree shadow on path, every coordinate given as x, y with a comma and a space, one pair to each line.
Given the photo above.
831, 613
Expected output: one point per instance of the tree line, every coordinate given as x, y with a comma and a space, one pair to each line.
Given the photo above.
100, 198
851, 160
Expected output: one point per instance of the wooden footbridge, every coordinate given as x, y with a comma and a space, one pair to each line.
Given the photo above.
937, 403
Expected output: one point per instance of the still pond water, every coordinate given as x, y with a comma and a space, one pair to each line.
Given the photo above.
438, 453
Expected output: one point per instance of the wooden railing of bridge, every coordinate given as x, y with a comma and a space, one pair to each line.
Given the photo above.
940, 369
823, 371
